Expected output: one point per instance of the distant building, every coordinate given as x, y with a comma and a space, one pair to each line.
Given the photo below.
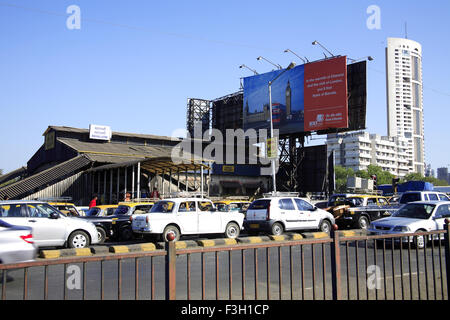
360, 149
442, 174
405, 99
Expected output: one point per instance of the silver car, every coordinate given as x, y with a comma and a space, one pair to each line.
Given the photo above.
50, 227
16, 244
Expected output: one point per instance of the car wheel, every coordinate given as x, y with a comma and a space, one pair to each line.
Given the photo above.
363, 223
325, 226
232, 230
78, 239
171, 229
277, 229
101, 234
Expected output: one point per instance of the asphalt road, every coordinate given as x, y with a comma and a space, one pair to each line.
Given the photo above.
305, 280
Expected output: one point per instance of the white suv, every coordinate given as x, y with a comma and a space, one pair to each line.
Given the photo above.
278, 214
411, 196
183, 216
50, 227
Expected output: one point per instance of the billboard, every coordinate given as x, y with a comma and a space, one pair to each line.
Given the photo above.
308, 97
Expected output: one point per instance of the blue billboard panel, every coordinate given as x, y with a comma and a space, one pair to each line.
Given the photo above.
287, 101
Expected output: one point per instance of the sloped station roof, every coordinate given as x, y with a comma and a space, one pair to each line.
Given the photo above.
153, 158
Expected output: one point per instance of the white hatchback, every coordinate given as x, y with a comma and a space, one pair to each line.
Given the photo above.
278, 214
187, 216
50, 227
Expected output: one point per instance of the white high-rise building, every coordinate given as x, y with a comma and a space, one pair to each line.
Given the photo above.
358, 150
405, 99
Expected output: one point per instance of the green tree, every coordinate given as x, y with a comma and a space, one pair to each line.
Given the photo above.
414, 176
341, 175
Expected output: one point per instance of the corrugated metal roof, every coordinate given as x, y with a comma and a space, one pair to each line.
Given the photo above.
13, 174
42, 179
123, 150
114, 133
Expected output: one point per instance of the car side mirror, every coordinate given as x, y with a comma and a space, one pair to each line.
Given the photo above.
54, 215
313, 209
213, 210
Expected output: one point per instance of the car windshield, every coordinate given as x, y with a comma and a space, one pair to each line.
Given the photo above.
122, 209
93, 212
415, 211
355, 201
222, 207
337, 199
163, 206
410, 197
259, 205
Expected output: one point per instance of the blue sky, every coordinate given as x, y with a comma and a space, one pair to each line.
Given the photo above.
134, 64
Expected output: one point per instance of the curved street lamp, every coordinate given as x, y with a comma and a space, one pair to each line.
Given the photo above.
317, 42
289, 50
276, 65
244, 66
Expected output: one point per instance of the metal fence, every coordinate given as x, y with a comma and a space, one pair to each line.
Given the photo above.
384, 267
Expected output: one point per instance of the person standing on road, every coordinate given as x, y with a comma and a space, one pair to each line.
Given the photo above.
93, 202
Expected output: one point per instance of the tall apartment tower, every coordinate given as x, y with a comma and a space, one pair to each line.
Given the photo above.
405, 99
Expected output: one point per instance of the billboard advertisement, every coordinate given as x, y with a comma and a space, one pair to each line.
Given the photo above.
308, 97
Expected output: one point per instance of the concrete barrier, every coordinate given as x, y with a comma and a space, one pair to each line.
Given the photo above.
353, 233
179, 244
54, 254
315, 235
257, 239
287, 237
133, 248
217, 242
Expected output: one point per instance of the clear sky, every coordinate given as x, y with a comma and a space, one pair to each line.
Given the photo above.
133, 64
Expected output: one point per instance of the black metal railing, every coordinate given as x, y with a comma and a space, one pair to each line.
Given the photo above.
373, 267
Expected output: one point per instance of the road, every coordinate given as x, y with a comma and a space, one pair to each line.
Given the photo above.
303, 281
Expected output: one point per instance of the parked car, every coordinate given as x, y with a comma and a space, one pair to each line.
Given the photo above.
68, 209
102, 210
232, 205
101, 216
338, 198
276, 215
121, 223
50, 227
361, 209
421, 216
411, 196
187, 216
16, 244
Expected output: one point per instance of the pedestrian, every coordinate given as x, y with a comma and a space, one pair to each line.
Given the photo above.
155, 194
93, 202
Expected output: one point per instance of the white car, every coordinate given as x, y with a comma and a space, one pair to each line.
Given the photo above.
16, 244
412, 196
187, 216
50, 227
278, 214
419, 216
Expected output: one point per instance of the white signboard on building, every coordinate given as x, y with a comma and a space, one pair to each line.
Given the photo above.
98, 132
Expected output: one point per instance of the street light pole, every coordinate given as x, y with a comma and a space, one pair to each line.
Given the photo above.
274, 179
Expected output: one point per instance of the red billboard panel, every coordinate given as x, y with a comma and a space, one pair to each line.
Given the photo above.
325, 94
